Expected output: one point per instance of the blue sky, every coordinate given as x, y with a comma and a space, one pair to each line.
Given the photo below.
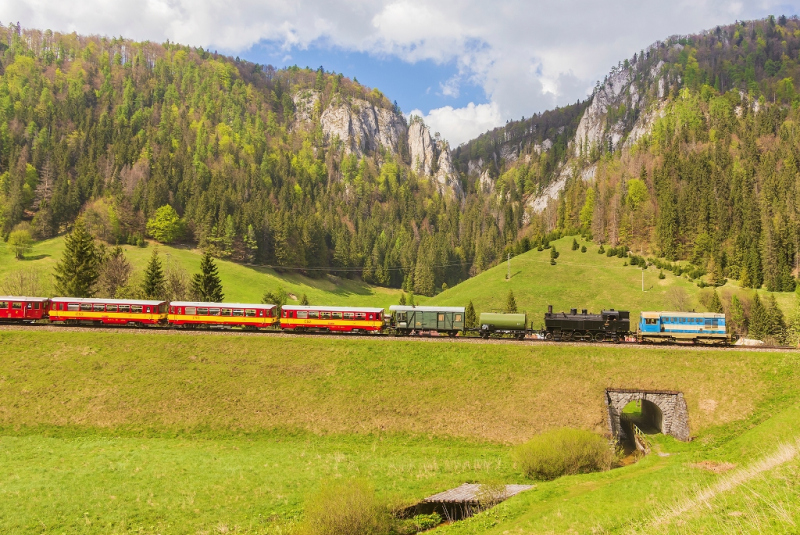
465, 66
412, 85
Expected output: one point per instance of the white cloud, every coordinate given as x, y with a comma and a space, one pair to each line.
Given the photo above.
526, 55
458, 125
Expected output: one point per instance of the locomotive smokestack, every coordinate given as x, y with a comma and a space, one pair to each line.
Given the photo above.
549, 309
573, 311
584, 312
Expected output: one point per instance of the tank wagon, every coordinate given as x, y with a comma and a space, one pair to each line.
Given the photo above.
412, 319
696, 327
499, 323
610, 325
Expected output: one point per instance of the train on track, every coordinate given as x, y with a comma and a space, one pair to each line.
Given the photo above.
607, 326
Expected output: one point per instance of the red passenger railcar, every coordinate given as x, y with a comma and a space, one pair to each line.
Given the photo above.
23, 309
319, 318
191, 314
108, 311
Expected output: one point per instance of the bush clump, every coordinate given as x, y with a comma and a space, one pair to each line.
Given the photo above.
346, 508
563, 452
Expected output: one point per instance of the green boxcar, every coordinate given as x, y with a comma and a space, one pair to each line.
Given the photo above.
495, 322
407, 319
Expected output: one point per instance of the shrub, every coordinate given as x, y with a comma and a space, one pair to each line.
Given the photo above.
346, 508
602, 250
563, 452
583, 248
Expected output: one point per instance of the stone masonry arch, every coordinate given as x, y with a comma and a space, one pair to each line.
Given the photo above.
674, 414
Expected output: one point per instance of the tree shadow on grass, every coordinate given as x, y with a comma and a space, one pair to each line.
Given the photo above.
327, 283
27, 258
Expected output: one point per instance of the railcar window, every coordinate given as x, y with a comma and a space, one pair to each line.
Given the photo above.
202, 312
325, 315
136, 309
441, 317
348, 315
16, 306
313, 315
111, 308
361, 316
3, 304
225, 312
191, 311
29, 306
302, 314
36, 306
650, 321
85, 307
458, 317
213, 312
99, 308
401, 316
336, 315
238, 312
163, 308
125, 308
683, 320
73, 307
250, 312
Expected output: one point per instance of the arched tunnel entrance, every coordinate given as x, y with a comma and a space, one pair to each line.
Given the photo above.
661, 411
639, 417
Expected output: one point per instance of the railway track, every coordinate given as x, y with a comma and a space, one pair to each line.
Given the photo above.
528, 341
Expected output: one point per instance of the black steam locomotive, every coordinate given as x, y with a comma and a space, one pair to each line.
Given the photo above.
608, 326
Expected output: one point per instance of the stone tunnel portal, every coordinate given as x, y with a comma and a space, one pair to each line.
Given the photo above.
664, 409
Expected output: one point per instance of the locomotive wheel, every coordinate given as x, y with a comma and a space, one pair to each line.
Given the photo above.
599, 337
548, 336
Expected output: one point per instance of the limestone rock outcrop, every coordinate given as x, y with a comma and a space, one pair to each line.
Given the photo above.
361, 128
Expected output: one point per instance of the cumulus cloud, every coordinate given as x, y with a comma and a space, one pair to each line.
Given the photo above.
458, 125
527, 56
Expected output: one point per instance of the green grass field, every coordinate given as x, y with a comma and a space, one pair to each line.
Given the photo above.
206, 433
579, 280
241, 283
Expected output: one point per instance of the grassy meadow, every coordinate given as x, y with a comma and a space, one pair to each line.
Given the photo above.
241, 283
207, 433
580, 280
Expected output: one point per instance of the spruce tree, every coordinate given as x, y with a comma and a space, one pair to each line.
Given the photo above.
154, 285
575, 245
304, 300
759, 320
402, 299
715, 305
77, 272
776, 324
511, 303
738, 318
206, 285
470, 319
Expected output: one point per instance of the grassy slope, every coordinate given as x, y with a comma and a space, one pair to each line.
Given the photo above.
189, 433
241, 283
578, 280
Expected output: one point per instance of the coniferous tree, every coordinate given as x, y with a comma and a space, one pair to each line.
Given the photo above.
411, 299
511, 303
715, 305
738, 318
470, 318
575, 245
402, 299
77, 271
206, 285
154, 284
759, 322
304, 300
775, 320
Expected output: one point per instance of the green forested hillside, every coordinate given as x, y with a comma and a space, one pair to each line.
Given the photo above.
113, 130
712, 175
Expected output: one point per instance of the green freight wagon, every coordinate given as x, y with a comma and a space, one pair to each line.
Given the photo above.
408, 319
498, 323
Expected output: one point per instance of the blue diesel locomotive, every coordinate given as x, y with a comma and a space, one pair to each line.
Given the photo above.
697, 327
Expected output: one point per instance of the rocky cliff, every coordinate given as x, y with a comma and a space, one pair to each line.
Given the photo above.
361, 128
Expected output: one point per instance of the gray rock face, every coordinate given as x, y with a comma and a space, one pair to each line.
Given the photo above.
362, 127
421, 147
